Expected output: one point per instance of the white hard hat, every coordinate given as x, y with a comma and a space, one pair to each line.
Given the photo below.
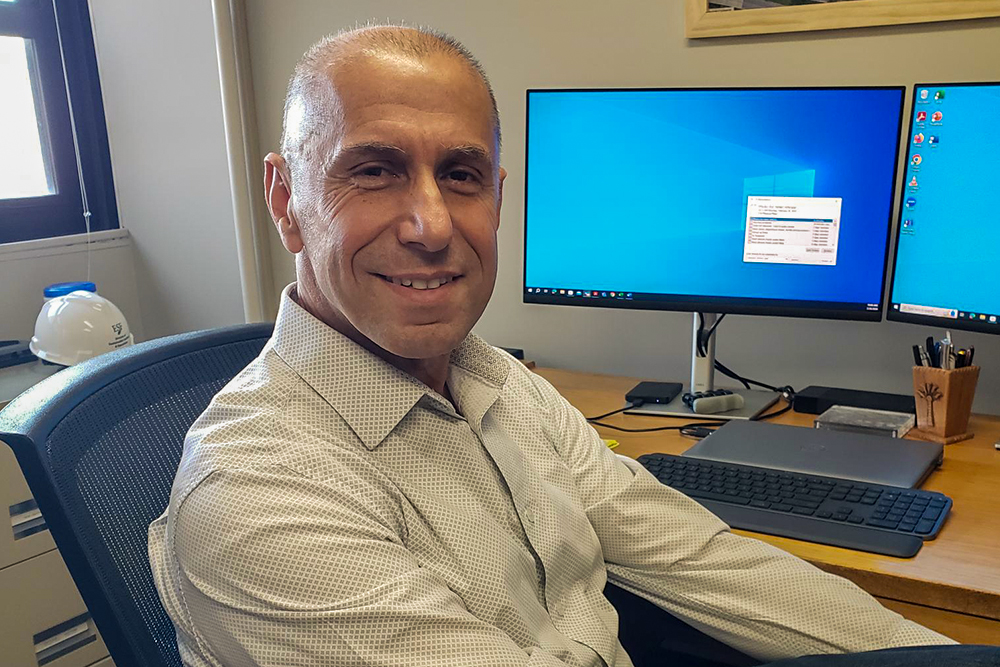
77, 327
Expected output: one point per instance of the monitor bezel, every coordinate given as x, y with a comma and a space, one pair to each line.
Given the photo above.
910, 318
734, 306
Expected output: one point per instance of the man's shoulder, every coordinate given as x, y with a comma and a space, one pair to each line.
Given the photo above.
266, 418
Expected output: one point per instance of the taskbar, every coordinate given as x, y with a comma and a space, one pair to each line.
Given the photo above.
946, 313
700, 303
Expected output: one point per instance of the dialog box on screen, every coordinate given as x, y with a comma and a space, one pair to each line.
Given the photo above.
792, 230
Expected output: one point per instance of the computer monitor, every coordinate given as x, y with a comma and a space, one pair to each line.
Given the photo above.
948, 235
767, 201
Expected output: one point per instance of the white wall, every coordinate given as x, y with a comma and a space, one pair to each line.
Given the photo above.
567, 43
160, 80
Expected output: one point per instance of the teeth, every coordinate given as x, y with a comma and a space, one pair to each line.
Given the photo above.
433, 283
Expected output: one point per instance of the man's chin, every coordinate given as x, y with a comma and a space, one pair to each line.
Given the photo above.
426, 341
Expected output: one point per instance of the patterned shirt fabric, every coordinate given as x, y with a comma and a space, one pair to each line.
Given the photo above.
330, 509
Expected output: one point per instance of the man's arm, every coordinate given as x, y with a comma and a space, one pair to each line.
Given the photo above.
660, 544
274, 568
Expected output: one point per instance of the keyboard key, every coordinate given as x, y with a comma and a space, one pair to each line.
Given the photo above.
803, 510
882, 523
931, 514
763, 504
824, 514
781, 507
924, 527
857, 518
908, 526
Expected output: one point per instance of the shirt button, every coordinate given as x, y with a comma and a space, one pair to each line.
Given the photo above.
529, 516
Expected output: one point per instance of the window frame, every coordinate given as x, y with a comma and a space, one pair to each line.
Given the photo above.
61, 214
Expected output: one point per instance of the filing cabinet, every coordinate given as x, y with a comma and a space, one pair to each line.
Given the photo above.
43, 620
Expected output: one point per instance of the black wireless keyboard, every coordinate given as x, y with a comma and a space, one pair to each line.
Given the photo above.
869, 517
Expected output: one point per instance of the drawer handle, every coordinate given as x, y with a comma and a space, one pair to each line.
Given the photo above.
64, 638
26, 519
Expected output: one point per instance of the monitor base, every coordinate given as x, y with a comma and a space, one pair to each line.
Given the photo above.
754, 404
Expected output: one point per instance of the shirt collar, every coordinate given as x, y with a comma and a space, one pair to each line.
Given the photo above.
372, 395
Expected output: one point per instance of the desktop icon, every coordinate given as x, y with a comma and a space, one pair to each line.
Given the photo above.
604, 293
954, 313
961, 314
993, 319
529, 290
933, 140
916, 159
972, 316
939, 95
913, 183
918, 138
936, 117
562, 291
907, 224
629, 295
921, 116
924, 93
982, 317
911, 202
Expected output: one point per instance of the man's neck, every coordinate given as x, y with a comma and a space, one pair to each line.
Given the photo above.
433, 372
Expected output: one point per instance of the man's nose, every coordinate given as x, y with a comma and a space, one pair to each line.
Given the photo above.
429, 221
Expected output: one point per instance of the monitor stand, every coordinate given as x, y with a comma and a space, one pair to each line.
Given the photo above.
703, 379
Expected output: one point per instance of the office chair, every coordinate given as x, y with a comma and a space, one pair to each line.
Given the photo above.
99, 445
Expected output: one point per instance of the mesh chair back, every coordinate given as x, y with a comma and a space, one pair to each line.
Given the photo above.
100, 452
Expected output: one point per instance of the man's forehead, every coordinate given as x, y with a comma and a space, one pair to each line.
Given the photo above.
366, 99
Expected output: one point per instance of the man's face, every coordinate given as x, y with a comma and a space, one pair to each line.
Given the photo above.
399, 205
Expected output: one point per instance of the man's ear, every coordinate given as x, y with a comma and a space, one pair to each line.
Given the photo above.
278, 194
503, 175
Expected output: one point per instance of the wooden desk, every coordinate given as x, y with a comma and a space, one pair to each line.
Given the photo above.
952, 585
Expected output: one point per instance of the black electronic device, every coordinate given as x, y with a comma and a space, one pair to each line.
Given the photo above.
816, 400
869, 517
15, 352
653, 392
791, 221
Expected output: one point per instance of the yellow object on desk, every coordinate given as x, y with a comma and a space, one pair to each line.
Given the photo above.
610, 443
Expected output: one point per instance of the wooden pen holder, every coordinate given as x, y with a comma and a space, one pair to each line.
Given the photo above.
944, 403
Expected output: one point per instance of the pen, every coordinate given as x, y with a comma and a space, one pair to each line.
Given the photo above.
917, 360
930, 350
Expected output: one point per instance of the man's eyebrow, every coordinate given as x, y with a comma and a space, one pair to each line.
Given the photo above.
470, 152
367, 149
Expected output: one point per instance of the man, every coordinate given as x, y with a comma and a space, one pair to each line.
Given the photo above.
380, 486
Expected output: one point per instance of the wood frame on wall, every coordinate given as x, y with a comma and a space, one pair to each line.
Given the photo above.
699, 22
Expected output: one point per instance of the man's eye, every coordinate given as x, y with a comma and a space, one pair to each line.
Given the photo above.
373, 172
462, 177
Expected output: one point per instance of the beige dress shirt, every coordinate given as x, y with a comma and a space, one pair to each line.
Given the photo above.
330, 509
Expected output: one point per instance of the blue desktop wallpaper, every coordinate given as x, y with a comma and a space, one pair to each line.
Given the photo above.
948, 254
646, 191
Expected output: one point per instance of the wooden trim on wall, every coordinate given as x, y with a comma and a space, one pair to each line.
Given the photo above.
699, 22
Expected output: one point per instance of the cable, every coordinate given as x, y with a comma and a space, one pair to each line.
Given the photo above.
614, 412
76, 138
659, 428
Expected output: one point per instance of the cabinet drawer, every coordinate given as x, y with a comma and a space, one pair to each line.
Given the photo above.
47, 625
22, 529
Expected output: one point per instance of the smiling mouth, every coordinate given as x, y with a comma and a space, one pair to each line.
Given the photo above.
419, 284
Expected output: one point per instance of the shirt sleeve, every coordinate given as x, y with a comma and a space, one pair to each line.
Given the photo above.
275, 568
665, 547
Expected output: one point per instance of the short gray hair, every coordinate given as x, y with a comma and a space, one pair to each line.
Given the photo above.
421, 42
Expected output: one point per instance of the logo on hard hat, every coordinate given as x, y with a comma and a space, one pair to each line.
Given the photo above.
117, 328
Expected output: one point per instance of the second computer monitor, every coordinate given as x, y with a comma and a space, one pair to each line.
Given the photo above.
764, 201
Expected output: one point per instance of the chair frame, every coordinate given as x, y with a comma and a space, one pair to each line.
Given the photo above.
25, 425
